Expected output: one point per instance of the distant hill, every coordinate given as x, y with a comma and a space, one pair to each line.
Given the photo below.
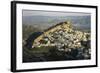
83, 22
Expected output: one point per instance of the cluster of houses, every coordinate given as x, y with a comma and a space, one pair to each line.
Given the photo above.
64, 38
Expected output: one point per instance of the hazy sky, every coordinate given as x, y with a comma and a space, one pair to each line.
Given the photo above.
52, 13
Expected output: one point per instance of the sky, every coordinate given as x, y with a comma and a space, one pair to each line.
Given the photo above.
52, 13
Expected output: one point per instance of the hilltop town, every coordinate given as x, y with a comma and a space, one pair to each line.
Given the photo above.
62, 43
63, 37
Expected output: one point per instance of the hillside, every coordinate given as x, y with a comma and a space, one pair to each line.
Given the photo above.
59, 42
